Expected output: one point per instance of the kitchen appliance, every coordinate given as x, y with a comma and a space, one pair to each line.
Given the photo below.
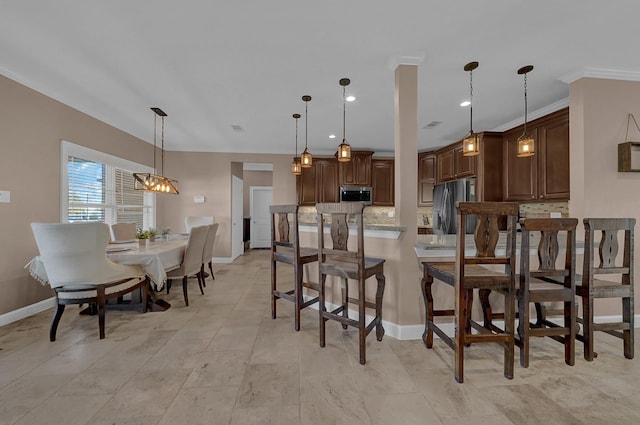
355, 194
445, 196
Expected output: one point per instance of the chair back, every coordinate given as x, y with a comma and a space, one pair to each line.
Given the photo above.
123, 231
487, 234
192, 259
207, 252
75, 253
611, 260
284, 229
340, 214
193, 221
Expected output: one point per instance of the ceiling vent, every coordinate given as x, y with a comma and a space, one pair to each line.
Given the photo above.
431, 125
237, 128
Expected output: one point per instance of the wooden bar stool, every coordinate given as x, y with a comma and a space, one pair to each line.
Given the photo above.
469, 272
547, 284
593, 286
285, 248
339, 261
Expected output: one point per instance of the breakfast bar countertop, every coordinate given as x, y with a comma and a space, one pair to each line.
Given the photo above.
370, 230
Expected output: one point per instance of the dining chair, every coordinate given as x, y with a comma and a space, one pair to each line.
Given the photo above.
612, 277
193, 221
476, 269
191, 262
123, 232
547, 283
345, 264
207, 252
285, 248
78, 270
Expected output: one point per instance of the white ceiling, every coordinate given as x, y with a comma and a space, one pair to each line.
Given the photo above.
211, 65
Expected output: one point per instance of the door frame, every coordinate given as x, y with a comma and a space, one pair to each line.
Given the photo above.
252, 206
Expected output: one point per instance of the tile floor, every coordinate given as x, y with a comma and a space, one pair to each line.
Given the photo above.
223, 360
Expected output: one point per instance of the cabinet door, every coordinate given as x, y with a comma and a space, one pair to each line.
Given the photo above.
327, 189
553, 161
382, 182
356, 172
306, 186
426, 178
464, 166
445, 166
521, 182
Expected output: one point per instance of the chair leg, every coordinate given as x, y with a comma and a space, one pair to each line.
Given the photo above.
145, 295
459, 337
627, 317
203, 274
487, 314
211, 270
523, 327
184, 290
587, 323
322, 308
55, 320
379, 294
427, 295
101, 310
200, 277
362, 326
345, 301
273, 289
570, 338
168, 286
297, 294
509, 323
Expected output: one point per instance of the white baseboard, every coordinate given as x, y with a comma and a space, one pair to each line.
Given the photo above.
27, 311
222, 260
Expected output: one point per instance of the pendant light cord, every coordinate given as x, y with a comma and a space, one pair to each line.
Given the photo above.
471, 102
155, 125
344, 114
525, 103
162, 148
306, 123
296, 153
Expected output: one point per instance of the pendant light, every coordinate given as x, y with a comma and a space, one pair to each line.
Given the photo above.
156, 182
526, 142
306, 159
296, 167
471, 144
344, 150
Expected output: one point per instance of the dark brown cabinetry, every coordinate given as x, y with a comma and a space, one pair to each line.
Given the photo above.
382, 181
426, 178
452, 165
319, 183
356, 172
545, 175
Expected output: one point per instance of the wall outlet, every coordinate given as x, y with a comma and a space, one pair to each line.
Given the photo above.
391, 214
555, 214
5, 196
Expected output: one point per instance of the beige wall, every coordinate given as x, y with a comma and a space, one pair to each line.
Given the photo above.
31, 128
598, 121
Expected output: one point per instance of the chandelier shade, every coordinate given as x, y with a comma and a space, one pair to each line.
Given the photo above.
526, 142
154, 182
344, 149
296, 166
306, 159
471, 142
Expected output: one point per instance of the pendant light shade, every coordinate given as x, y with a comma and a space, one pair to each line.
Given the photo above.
306, 159
344, 149
156, 182
296, 167
526, 142
471, 143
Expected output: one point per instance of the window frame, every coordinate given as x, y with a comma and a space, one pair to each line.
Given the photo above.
68, 149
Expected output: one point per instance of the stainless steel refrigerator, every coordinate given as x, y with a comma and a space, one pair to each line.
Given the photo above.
445, 196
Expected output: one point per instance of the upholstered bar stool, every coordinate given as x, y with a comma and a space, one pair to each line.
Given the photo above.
475, 271
285, 248
612, 277
339, 261
547, 283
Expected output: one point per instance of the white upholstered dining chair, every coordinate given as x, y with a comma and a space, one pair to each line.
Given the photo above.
77, 268
193, 221
191, 262
207, 252
123, 232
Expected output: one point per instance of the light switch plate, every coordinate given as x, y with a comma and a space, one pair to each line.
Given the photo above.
198, 199
5, 196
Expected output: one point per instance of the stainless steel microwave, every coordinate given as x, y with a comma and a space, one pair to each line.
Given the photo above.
355, 194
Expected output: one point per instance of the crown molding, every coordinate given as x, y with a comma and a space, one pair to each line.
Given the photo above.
545, 110
608, 74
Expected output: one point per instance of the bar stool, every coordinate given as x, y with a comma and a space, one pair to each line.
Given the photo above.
339, 261
469, 273
547, 284
284, 250
593, 286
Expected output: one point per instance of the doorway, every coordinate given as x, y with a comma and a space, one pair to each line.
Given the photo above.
237, 246
261, 197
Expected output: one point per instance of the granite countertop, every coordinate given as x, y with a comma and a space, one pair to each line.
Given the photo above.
370, 230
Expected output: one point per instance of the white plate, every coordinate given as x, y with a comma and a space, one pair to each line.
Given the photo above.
117, 249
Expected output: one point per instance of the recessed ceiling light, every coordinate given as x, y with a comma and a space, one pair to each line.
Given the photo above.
332, 136
465, 103
350, 98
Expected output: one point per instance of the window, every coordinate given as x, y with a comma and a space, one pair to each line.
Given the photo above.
99, 187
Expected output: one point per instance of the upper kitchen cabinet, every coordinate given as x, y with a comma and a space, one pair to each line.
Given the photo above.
426, 178
356, 172
545, 175
382, 181
319, 183
452, 165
